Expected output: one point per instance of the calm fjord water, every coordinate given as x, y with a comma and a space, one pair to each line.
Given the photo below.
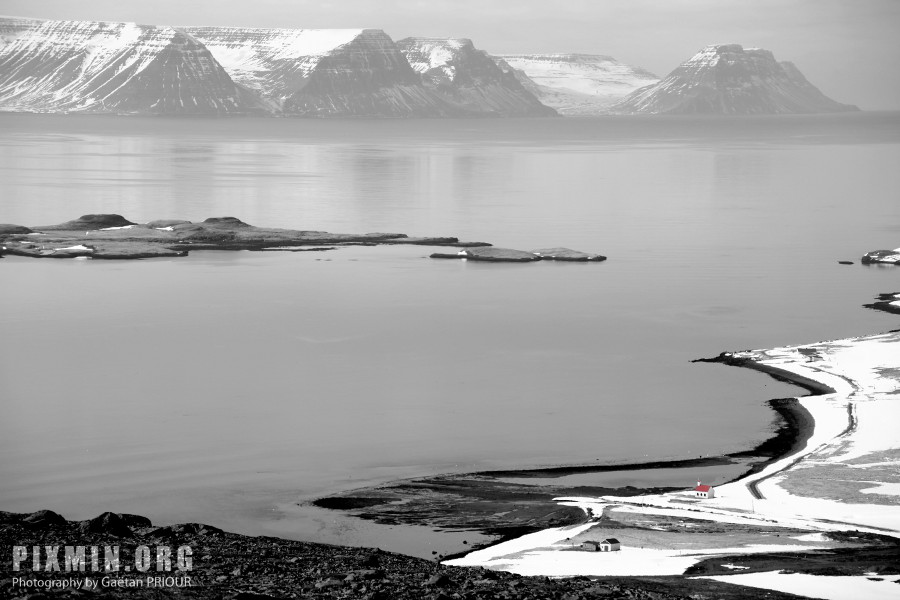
224, 387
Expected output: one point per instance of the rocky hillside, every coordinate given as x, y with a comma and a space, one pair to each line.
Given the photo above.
576, 84
469, 78
86, 66
731, 80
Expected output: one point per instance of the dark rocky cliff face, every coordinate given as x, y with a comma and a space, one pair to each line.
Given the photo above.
730, 80
469, 78
75, 66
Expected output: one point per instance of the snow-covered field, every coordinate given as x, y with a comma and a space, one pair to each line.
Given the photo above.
831, 588
846, 477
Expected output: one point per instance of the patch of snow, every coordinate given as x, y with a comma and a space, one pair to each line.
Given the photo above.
831, 587
546, 537
582, 74
309, 42
812, 537
114, 228
733, 567
169, 228
886, 489
78, 247
564, 560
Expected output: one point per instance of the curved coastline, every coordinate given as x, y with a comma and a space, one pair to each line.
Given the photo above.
461, 501
796, 416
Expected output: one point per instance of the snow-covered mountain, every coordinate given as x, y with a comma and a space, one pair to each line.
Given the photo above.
330, 72
469, 78
86, 66
124, 68
576, 84
731, 80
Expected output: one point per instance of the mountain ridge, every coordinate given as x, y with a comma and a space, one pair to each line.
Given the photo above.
95, 66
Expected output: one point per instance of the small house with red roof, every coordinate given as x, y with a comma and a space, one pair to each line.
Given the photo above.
704, 491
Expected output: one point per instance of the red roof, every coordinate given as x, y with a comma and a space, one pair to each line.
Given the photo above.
702, 488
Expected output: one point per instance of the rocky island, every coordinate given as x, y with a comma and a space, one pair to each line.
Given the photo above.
111, 236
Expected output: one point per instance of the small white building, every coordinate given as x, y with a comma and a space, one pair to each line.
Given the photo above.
607, 545
610, 545
704, 491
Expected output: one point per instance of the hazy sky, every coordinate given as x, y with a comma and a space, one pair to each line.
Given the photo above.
850, 49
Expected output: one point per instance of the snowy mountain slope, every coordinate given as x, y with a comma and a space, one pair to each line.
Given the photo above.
729, 79
469, 78
275, 62
576, 84
85, 66
336, 72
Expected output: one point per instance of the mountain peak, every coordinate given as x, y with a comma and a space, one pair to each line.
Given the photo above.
731, 80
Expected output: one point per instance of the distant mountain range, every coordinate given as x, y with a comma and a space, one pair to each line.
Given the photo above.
728, 79
576, 84
124, 68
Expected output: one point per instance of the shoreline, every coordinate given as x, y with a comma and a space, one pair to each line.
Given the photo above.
819, 489
449, 504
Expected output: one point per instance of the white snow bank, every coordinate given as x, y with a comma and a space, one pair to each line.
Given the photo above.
886, 489
169, 228
840, 587
80, 247
546, 537
566, 560
114, 228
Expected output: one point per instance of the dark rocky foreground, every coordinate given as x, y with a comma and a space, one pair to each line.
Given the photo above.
226, 565
110, 236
